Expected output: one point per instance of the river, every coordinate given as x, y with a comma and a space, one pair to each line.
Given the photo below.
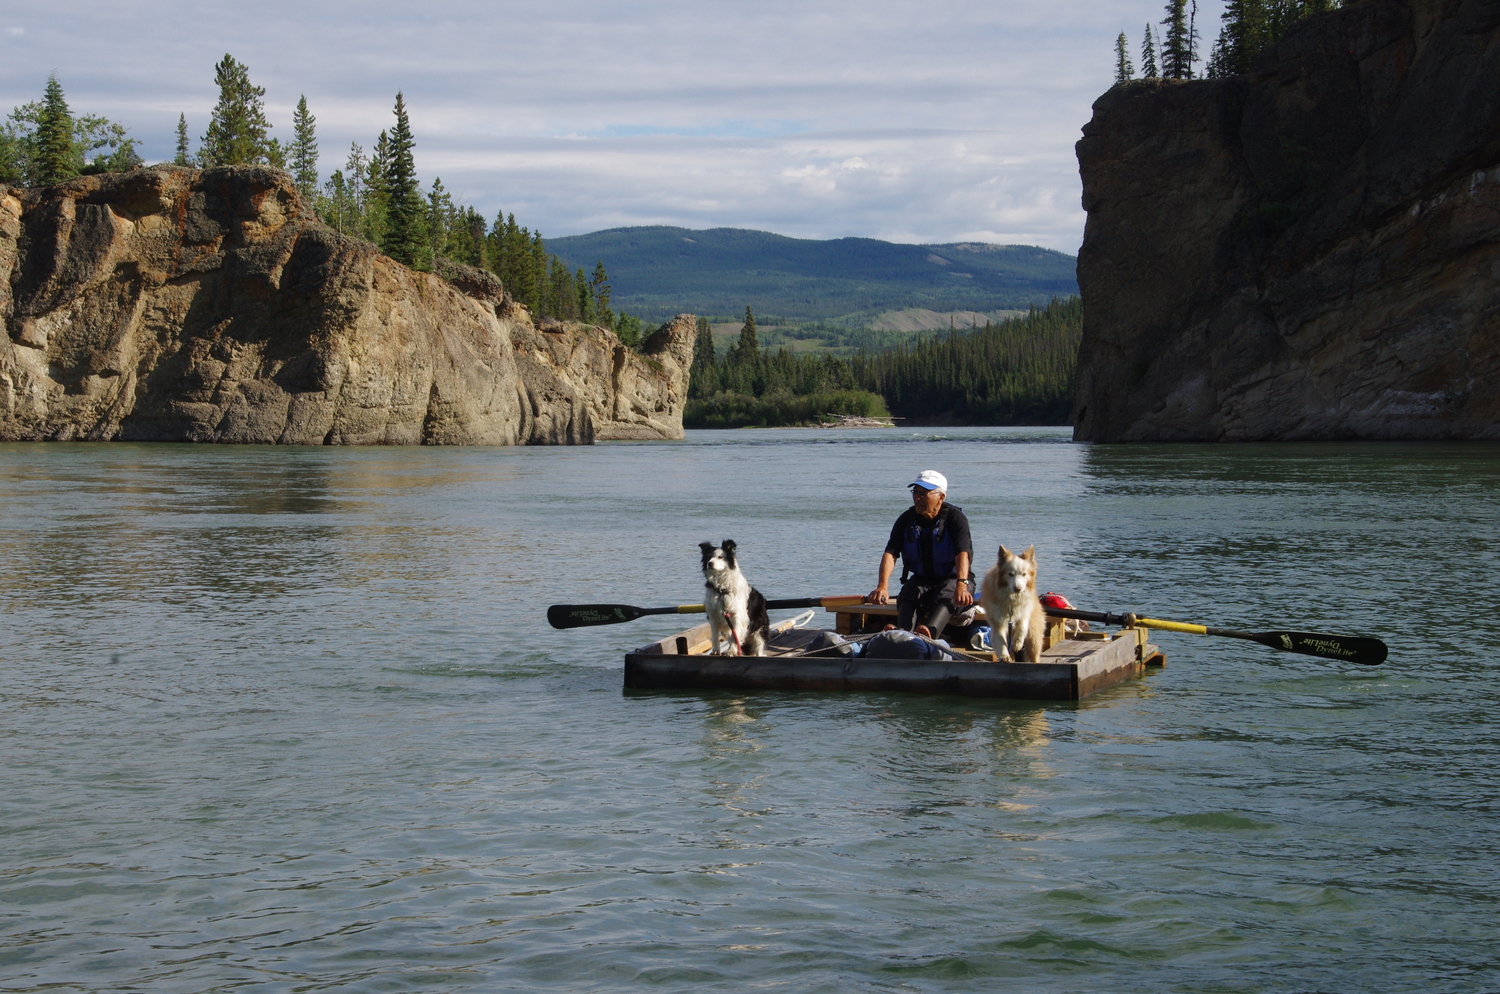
286, 719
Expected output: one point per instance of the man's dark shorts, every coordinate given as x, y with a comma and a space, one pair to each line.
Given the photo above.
926, 602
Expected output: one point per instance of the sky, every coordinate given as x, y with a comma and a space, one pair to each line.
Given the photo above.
914, 121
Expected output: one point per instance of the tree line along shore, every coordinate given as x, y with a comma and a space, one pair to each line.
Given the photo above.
1017, 371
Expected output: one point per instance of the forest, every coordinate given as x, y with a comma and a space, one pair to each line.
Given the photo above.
1018, 371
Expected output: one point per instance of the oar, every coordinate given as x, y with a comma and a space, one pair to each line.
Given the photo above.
1349, 648
584, 615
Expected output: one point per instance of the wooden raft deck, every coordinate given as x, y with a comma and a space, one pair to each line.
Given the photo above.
1069, 671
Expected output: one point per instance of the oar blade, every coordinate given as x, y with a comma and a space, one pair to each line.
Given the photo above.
585, 615
1348, 648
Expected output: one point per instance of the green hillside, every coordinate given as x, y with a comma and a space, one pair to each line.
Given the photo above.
660, 271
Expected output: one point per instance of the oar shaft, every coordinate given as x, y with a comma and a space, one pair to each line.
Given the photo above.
1350, 648
587, 615
848, 600
1103, 617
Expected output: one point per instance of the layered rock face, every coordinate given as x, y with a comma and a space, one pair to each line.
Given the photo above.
177, 305
1311, 251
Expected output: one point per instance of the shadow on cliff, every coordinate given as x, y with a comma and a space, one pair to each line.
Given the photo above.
1308, 251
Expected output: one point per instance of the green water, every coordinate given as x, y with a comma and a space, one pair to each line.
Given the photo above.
290, 720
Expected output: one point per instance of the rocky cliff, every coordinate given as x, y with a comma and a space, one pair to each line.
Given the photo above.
1310, 251
174, 304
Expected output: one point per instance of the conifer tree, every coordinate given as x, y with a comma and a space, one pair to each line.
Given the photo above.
237, 132
585, 296
600, 289
538, 266
1176, 46
342, 203
465, 237
439, 218
1148, 56
1252, 26
561, 302
703, 346
305, 150
10, 157
1123, 69
377, 190
184, 155
1192, 37
404, 234
747, 349
55, 156
629, 331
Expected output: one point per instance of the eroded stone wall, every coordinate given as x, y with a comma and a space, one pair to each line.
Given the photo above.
212, 306
1310, 251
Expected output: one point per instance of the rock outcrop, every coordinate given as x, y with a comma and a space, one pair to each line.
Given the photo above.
1310, 251
212, 306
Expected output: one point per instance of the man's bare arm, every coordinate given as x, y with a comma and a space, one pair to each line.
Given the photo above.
882, 594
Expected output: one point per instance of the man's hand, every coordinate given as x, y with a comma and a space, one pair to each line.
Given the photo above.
961, 596
882, 594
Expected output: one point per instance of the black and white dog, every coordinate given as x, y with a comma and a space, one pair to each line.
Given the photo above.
737, 616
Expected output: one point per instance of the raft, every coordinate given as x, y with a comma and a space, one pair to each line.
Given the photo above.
1074, 664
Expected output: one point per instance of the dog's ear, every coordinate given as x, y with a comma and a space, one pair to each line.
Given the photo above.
1004, 553
708, 549
727, 545
1030, 554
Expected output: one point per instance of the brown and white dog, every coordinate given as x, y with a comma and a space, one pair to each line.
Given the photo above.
1013, 608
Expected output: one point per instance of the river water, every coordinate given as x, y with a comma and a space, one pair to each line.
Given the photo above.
281, 719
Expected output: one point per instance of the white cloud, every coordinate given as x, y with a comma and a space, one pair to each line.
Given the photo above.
15, 32
952, 119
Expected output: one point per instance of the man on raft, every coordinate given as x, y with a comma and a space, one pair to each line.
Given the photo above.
932, 540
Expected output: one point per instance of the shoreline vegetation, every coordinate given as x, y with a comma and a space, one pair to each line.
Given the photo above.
1017, 371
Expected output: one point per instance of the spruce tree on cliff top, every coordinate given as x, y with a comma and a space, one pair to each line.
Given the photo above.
601, 291
237, 133
1148, 56
305, 150
405, 229
1123, 69
184, 156
53, 142
1176, 47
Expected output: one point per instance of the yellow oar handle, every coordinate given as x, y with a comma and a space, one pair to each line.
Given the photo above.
690, 609
849, 600
1172, 626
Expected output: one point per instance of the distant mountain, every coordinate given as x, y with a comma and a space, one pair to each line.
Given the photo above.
660, 271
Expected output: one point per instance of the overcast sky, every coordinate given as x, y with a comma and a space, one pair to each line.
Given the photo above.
930, 121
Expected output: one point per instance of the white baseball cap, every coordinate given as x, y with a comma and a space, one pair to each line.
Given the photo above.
930, 479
